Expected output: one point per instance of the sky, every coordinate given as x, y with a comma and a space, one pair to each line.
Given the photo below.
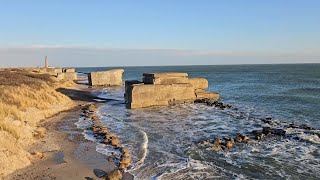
158, 32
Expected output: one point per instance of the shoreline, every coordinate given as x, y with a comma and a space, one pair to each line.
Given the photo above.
64, 152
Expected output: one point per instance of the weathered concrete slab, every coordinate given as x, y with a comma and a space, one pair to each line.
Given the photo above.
146, 95
106, 78
53, 71
203, 94
199, 83
67, 76
127, 85
69, 70
165, 74
165, 80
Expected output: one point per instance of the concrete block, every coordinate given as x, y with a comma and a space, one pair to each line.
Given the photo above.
146, 95
67, 76
199, 83
128, 85
165, 80
203, 94
106, 78
165, 74
69, 70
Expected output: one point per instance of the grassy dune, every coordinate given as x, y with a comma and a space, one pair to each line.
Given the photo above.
25, 99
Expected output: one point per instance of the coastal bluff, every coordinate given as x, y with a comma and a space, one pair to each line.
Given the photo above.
106, 78
165, 88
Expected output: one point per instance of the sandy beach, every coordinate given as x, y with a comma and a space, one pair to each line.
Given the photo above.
61, 152
67, 155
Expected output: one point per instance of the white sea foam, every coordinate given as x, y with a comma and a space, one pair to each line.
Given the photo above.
144, 148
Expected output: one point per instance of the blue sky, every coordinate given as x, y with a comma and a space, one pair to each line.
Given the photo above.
163, 31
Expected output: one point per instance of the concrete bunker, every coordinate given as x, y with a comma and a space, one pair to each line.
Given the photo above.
106, 78
165, 88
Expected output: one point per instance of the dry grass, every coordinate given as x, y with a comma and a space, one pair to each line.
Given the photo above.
20, 90
26, 97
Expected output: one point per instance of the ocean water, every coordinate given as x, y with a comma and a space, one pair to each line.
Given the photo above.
164, 140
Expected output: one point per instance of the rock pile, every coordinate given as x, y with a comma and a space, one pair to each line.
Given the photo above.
102, 133
211, 102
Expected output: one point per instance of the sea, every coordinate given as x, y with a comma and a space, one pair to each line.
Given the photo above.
164, 141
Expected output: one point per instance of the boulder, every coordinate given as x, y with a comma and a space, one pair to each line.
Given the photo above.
106, 78
126, 160
199, 83
115, 141
114, 175
216, 147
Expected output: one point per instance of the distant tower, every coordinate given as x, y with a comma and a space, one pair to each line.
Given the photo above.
46, 62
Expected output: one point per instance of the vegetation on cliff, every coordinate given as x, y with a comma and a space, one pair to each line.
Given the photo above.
26, 98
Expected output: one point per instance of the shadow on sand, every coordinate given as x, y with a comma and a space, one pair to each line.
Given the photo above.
81, 95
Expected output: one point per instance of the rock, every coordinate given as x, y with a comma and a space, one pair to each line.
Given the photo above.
122, 166
244, 137
126, 160
228, 106
229, 144
91, 108
266, 131
205, 142
249, 142
238, 139
115, 141
103, 131
258, 135
106, 141
110, 159
200, 101
217, 141
95, 128
40, 132
306, 127
216, 147
279, 132
38, 155
125, 152
114, 175
95, 118
100, 173
203, 94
